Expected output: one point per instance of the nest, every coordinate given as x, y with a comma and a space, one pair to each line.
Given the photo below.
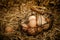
14, 12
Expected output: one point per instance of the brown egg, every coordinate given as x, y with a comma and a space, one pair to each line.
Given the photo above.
46, 26
9, 29
32, 31
47, 19
32, 21
39, 29
25, 27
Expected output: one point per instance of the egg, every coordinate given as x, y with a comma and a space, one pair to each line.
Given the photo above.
40, 20
39, 29
25, 27
47, 19
32, 21
46, 26
9, 29
32, 31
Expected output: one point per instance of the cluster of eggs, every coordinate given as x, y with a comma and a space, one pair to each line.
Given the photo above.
35, 24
